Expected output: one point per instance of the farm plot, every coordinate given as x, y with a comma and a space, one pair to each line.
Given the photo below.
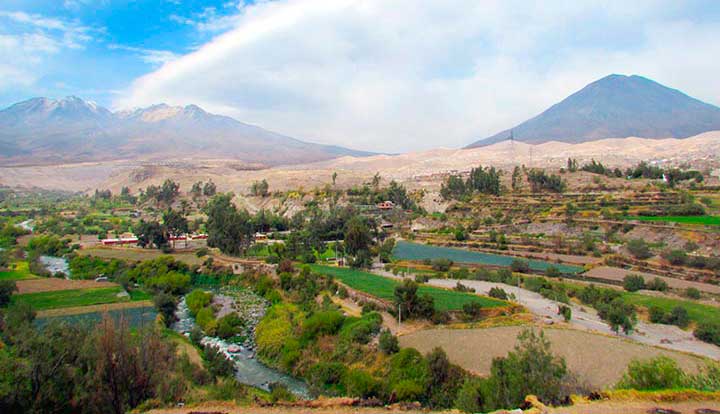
700, 220
135, 316
616, 275
597, 360
138, 254
68, 298
697, 312
17, 271
49, 284
384, 288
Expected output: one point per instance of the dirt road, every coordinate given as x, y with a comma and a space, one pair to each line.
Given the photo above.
585, 318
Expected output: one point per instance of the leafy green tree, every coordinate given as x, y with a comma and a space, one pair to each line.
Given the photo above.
175, 223
150, 233
531, 368
661, 373
388, 343
7, 288
357, 235
228, 229
209, 189
633, 283
411, 305
165, 305
639, 249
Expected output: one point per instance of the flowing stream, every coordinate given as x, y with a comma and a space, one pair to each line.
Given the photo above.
248, 370
56, 264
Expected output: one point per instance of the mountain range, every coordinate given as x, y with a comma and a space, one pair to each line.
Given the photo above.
42, 130
616, 106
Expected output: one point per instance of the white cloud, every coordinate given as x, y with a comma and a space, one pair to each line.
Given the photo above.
412, 74
151, 56
27, 40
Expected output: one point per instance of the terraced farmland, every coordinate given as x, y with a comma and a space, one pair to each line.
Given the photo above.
74, 297
384, 288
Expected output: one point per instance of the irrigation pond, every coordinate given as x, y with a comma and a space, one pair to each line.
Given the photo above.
417, 251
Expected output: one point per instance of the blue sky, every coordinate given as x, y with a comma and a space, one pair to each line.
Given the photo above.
385, 75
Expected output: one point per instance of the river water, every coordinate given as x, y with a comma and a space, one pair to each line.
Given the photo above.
248, 370
56, 264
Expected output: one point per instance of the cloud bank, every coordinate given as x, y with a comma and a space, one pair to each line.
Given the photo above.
399, 75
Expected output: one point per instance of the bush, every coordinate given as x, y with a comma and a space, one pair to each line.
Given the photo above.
675, 257
639, 249
520, 266
202, 252
164, 304
552, 271
388, 343
359, 383
229, 325
692, 293
472, 310
708, 332
565, 311
322, 323
633, 283
659, 373
498, 293
7, 288
205, 318
409, 374
473, 395
658, 285
442, 265
326, 377
197, 299
216, 362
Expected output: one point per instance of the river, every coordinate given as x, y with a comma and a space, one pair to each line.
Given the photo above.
56, 264
248, 370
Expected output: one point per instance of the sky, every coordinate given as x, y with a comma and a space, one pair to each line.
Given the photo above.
378, 75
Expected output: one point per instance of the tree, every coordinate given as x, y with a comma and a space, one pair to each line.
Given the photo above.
259, 188
150, 233
357, 235
388, 343
176, 224
7, 288
209, 189
169, 191
228, 229
639, 249
334, 177
165, 305
531, 368
411, 305
661, 373
633, 283
516, 178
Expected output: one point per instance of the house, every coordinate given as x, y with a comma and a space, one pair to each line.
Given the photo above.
386, 205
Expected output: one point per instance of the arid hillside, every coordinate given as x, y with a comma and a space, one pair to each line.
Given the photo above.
416, 169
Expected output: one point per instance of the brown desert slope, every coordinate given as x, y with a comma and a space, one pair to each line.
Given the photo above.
229, 175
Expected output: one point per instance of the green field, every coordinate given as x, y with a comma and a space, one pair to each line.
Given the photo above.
20, 272
702, 220
384, 288
74, 297
697, 311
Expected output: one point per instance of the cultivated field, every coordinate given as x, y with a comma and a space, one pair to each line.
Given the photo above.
616, 275
76, 297
384, 288
105, 307
18, 271
50, 284
138, 254
701, 220
597, 360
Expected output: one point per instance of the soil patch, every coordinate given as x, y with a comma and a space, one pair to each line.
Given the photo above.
53, 284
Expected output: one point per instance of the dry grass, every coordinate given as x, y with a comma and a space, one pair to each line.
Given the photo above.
53, 284
138, 254
597, 360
